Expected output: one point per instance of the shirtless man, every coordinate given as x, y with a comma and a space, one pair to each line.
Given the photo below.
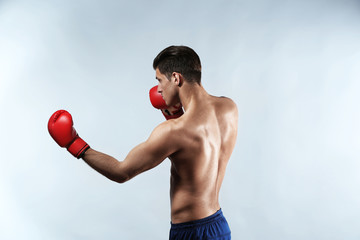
199, 144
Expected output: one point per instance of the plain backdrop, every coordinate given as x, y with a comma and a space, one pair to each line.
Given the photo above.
292, 67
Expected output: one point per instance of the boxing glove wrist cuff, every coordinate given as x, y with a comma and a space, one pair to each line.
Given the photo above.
175, 114
78, 147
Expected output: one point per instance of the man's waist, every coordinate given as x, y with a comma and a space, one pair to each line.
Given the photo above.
218, 215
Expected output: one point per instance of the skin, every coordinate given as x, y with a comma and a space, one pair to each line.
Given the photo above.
199, 145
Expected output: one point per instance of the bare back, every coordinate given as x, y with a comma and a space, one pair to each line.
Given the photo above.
207, 134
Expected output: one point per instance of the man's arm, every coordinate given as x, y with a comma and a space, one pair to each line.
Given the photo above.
143, 157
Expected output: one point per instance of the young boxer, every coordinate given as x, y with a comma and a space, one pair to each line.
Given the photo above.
198, 137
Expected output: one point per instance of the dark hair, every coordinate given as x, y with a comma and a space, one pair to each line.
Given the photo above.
181, 59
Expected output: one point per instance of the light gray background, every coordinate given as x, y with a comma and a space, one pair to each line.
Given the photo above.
292, 67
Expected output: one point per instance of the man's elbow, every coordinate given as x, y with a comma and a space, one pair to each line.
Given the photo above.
120, 178
120, 174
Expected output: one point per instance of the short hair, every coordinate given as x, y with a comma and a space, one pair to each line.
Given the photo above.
181, 59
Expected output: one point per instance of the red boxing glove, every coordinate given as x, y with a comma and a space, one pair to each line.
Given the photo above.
61, 129
158, 102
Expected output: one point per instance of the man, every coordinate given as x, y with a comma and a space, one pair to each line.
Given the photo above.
198, 142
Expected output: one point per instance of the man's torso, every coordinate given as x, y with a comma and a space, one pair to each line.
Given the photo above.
207, 134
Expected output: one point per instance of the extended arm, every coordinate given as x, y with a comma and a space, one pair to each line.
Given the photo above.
143, 157
105, 164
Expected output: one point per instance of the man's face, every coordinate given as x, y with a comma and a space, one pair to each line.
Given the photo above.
167, 88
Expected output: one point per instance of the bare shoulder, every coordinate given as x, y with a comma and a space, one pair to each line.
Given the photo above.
163, 137
168, 131
165, 129
226, 105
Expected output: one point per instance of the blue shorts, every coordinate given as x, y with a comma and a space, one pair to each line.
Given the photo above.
214, 227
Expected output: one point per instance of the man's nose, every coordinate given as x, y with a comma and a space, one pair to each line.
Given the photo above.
159, 90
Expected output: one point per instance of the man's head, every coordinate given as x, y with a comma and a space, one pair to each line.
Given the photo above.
179, 59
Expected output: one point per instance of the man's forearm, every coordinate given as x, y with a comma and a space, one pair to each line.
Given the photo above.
106, 165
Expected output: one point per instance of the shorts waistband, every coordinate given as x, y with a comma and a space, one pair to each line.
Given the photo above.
212, 218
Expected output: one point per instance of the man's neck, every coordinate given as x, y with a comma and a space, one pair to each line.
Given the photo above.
191, 93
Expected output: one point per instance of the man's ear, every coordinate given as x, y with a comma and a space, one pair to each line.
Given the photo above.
177, 78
